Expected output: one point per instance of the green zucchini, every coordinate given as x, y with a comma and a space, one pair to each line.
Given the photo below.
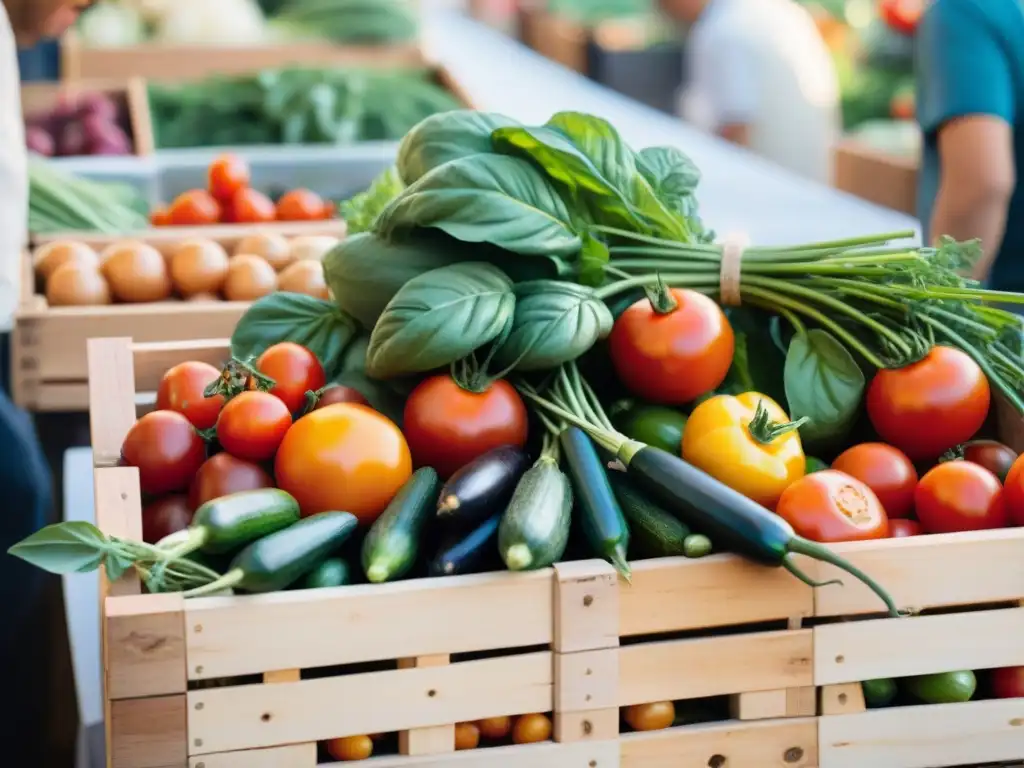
229, 522
391, 546
332, 572
653, 531
535, 527
278, 560
604, 524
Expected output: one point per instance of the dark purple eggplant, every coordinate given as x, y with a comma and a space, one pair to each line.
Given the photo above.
482, 487
475, 552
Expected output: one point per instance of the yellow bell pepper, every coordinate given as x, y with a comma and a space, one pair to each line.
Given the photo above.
746, 442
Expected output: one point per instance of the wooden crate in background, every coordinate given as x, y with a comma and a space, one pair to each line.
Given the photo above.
48, 344
881, 178
40, 97
573, 640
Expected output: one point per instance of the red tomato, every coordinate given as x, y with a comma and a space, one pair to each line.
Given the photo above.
447, 426
227, 175
901, 529
195, 208
1013, 493
886, 471
343, 457
330, 210
995, 457
832, 506
930, 406
160, 217
300, 205
675, 357
181, 390
251, 207
164, 516
901, 15
166, 449
1008, 683
340, 394
223, 474
295, 371
252, 425
959, 496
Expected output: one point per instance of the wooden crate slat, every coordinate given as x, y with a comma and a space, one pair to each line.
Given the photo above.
768, 743
925, 736
715, 666
249, 716
153, 359
145, 646
866, 650
111, 400
291, 756
674, 594
591, 754
347, 625
926, 571
147, 733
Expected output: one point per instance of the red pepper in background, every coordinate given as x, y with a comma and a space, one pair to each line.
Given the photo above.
901, 15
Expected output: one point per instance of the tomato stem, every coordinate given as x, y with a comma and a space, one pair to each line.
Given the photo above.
661, 298
237, 377
764, 430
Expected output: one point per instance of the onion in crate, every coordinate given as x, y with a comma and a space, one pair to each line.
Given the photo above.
39, 140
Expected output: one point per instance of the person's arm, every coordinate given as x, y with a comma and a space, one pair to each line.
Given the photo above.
966, 100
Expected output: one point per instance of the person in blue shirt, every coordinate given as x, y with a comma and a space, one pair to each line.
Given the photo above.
970, 89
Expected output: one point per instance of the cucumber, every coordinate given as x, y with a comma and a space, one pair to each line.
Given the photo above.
229, 522
332, 572
604, 524
697, 545
535, 527
276, 561
653, 531
879, 693
484, 485
390, 548
942, 687
469, 554
812, 465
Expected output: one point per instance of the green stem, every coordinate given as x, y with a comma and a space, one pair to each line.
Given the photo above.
1014, 365
801, 546
765, 431
661, 299
675, 280
196, 540
610, 441
229, 580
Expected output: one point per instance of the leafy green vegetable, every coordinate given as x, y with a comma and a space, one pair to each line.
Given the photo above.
824, 384
364, 272
318, 325
74, 546
447, 136
440, 317
350, 22
669, 171
486, 199
554, 322
362, 210
757, 364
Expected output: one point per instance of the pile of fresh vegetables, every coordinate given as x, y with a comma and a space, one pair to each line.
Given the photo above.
71, 273
229, 199
560, 362
953, 687
80, 124
296, 106
63, 202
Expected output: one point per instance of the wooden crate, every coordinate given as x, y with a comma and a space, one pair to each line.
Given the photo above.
39, 97
878, 177
172, 63
48, 350
573, 640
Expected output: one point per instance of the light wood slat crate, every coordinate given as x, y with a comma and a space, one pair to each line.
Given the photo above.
39, 97
585, 645
878, 177
48, 350
971, 587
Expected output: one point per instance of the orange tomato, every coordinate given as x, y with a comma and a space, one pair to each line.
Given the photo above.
467, 736
650, 717
181, 390
495, 728
531, 729
350, 748
249, 206
885, 470
194, 208
160, 217
330, 210
832, 506
227, 175
343, 457
300, 205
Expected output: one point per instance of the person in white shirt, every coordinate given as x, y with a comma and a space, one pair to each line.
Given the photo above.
24, 475
760, 75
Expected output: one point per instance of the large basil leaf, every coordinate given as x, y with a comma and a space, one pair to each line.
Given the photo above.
598, 140
487, 199
823, 383
440, 317
364, 272
318, 325
757, 364
554, 322
74, 546
446, 136
669, 171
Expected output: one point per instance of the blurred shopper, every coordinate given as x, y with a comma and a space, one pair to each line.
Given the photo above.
970, 88
27, 496
760, 75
